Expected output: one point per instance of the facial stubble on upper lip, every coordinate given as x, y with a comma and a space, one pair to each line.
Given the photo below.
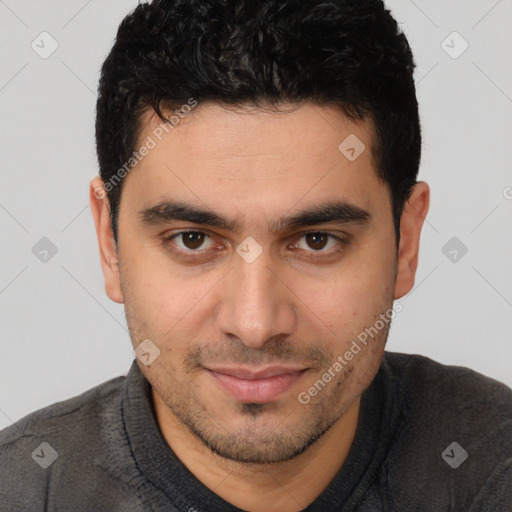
276, 353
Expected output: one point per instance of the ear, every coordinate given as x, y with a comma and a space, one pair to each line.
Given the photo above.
100, 209
413, 215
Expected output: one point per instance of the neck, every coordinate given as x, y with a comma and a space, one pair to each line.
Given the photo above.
288, 486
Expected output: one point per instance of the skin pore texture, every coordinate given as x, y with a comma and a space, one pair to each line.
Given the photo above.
299, 304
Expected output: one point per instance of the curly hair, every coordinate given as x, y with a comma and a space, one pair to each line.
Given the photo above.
348, 54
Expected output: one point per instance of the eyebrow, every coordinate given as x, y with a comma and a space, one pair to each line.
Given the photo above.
341, 212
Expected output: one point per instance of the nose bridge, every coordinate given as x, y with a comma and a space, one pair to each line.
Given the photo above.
257, 282
255, 307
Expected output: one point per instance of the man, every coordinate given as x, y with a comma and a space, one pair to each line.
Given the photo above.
259, 216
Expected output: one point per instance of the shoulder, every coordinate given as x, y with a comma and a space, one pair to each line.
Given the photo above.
436, 387
30, 446
443, 400
453, 432
71, 411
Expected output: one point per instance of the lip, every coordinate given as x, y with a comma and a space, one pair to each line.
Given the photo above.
256, 386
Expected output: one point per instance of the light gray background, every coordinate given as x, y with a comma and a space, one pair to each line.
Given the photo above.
61, 334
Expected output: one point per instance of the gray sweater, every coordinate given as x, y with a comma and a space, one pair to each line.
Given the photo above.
430, 437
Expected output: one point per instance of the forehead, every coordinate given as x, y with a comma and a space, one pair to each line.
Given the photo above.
249, 158
213, 130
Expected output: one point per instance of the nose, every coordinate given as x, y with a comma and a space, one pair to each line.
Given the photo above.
255, 303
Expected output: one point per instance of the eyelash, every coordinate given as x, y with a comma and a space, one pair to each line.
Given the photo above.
312, 254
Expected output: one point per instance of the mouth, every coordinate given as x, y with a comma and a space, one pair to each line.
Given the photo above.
256, 386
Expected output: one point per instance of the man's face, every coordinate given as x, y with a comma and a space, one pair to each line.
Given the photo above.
245, 325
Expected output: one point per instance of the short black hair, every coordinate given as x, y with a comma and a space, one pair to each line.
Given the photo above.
349, 54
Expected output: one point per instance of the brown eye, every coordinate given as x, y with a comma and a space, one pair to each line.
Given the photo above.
191, 241
319, 244
317, 241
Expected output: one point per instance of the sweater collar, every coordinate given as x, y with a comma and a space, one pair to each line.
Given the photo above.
162, 468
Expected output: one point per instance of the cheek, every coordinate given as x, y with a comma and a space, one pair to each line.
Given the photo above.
351, 296
350, 302
371, 283
169, 304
